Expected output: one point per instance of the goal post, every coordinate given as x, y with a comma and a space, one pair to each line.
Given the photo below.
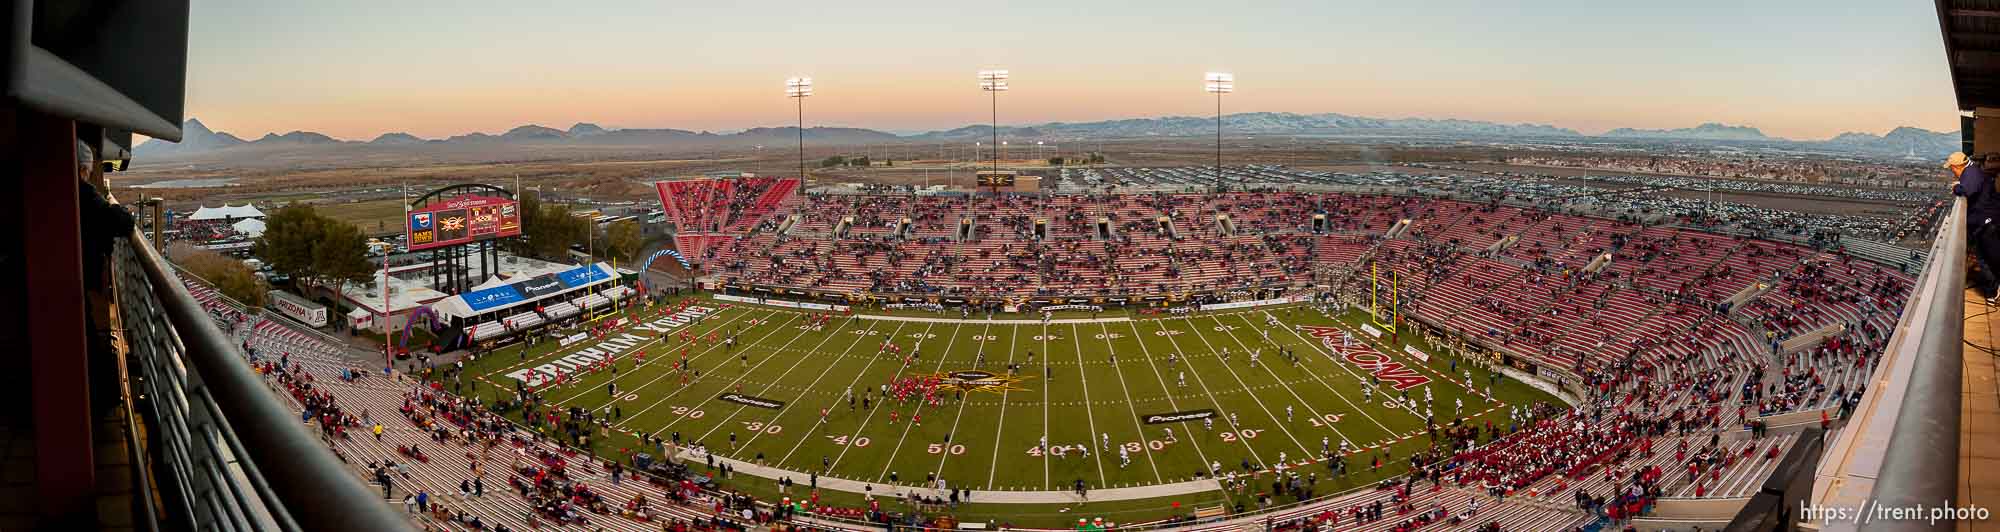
1383, 297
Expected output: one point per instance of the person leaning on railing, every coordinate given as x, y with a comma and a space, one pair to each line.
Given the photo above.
1975, 183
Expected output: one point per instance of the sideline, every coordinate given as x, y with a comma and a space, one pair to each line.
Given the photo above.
1066, 321
695, 459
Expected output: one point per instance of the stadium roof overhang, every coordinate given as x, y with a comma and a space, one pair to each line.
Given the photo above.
1971, 30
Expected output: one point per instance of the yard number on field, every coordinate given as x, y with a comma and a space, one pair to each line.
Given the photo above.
939, 448
1248, 434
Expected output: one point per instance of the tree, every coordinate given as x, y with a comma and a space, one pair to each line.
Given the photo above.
833, 161
548, 229
1055, 161
227, 275
288, 241
341, 255
622, 240
313, 249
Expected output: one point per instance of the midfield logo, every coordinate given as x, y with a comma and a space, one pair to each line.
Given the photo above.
976, 380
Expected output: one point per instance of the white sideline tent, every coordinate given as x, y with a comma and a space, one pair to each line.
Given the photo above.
250, 227
226, 211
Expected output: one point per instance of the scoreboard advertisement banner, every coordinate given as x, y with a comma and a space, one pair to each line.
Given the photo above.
463, 219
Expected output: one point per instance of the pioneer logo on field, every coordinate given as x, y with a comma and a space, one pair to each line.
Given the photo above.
746, 400
1177, 417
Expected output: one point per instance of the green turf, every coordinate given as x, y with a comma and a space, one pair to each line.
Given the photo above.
992, 434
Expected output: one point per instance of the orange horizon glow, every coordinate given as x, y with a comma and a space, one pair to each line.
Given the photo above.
440, 70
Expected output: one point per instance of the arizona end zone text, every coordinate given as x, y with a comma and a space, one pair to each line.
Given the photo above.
1873, 512
612, 345
1360, 355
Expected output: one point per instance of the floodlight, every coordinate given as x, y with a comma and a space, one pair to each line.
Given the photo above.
1220, 82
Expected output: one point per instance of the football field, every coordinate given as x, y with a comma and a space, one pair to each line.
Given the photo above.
1113, 400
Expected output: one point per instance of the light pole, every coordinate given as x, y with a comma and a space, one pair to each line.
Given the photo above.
1219, 83
994, 82
798, 89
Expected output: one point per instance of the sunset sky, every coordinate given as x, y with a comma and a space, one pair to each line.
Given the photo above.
353, 70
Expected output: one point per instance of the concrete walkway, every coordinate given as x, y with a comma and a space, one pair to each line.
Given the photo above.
697, 459
1979, 421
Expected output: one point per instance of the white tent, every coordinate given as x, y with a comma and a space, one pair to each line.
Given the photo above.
490, 283
244, 211
226, 211
250, 227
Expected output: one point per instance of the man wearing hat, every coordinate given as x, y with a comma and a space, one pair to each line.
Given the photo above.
1975, 183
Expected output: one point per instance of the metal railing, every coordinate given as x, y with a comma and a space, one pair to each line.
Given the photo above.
1920, 465
228, 455
1899, 446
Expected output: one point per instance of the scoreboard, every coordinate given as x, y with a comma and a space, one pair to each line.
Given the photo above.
462, 219
996, 179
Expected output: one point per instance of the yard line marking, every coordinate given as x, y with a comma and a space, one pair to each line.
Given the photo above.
1105, 333
953, 433
1363, 381
663, 399
893, 451
811, 386
878, 405
850, 385
1000, 428
1220, 411
1386, 351
1170, 394
1253, 396
1302, 400
1089, 414
740, 375
1046, 384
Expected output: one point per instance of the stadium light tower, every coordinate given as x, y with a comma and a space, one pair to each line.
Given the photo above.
1219, 83
994, 82
798, 89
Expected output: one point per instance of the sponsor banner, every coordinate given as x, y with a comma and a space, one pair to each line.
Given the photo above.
919, 306
306, 312
1371, 330
781, 303
1257, 303
481, 300
1092, 308
583, 275
747, 400
571, 339
1177, 417
1181, 310
1418, 353
539, 286
231, 246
